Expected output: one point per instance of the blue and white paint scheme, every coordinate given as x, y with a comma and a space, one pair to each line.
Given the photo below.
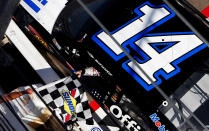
44, 11
177, 46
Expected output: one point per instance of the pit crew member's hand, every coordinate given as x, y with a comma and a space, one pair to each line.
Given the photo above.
78, 73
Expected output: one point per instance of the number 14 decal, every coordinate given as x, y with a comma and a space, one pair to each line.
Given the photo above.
160, 52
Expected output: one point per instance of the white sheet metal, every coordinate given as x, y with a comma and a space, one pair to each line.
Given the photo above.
44, 11
31, 54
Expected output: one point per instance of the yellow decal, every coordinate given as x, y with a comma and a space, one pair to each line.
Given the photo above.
69, 104
42, 42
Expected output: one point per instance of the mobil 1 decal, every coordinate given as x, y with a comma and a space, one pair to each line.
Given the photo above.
160, 51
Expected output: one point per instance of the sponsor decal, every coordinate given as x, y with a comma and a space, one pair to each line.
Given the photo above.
34, 6
157, 122
41, 41
160, 52
31, 30
124, 118
95, 129
69, 104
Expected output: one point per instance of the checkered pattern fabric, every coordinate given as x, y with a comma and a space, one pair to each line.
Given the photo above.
102, 118
53, 98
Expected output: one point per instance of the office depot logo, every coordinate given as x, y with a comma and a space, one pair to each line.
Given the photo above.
157, 122
124, 118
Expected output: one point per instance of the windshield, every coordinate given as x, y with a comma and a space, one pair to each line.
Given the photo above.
73, 20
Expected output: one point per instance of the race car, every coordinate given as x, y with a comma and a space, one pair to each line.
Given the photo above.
147, 30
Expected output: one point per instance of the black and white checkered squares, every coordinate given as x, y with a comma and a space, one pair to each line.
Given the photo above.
53, 98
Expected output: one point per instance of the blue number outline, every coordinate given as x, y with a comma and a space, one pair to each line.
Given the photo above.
161, 71
137, 36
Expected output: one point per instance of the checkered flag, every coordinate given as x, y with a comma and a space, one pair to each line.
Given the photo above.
54, 100
102, 118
